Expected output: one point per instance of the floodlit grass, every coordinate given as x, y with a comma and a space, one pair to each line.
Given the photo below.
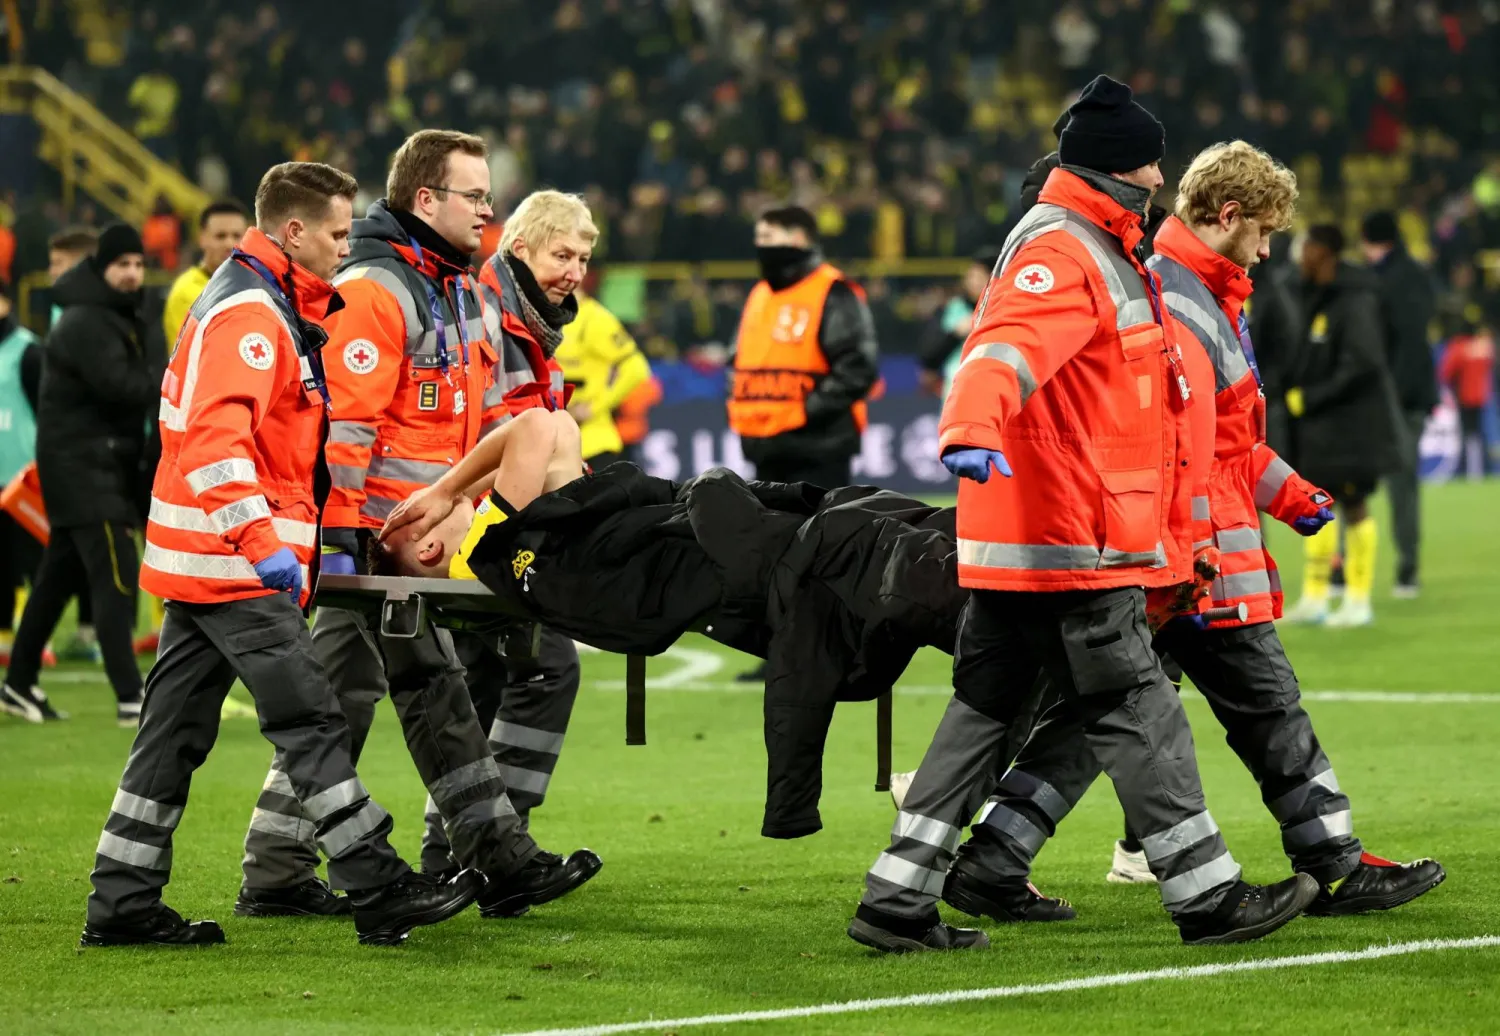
696, 914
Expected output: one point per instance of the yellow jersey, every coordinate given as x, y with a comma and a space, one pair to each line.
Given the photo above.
185, 291
488, 514
602, 360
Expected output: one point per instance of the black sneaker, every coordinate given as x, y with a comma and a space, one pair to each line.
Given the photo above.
1252, 911
384, 916
32, 705
1008, 902
890, 934
544, 877
165, 928
312, 898
1377, 884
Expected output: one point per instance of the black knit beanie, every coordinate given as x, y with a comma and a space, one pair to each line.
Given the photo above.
116, 240
1108, 132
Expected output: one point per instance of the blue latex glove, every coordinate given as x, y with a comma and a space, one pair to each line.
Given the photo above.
337, 563
1309, 524
281, 571
974, 462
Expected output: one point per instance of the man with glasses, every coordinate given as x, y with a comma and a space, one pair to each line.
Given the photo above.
409, 368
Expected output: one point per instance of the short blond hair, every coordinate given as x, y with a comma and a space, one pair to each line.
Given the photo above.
545, 215
1237, 171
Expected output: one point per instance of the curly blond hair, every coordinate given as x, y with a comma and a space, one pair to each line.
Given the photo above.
1242, 172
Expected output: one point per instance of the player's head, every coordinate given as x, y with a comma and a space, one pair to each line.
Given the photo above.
308, 207
442, 178
426, 558
553, 234
220, 227
1234, 196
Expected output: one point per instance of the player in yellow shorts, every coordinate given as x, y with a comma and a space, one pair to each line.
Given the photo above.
432, 532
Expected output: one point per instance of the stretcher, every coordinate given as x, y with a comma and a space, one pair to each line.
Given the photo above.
401, 606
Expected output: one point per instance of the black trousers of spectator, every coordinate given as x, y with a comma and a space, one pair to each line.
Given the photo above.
827, 472
20, 558
102, 558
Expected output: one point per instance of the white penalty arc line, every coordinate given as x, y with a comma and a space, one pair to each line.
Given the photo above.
958, 996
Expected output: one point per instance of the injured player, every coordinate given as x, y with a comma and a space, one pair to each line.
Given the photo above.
536, 452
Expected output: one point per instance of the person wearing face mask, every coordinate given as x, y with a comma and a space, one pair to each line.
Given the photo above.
805, 359
97, 387
231, 544
1082, 434
411, 380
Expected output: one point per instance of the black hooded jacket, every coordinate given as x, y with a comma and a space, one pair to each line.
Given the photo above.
101, 379
836, 590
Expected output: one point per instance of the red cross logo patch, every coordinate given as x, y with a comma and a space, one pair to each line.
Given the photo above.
257, 352
1035, 278
361, 356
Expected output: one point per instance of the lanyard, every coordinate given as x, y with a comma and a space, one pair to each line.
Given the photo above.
1174, 353
437, 311
1249, 349
310, 337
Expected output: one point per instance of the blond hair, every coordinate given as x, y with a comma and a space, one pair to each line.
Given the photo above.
543, 216
1242, 172
422, 161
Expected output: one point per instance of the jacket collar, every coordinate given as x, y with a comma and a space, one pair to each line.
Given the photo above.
1227, 280
386, 230
1070, 191
316, 298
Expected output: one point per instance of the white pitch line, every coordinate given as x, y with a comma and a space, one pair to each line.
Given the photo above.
697, 666
684, 683
1126, 978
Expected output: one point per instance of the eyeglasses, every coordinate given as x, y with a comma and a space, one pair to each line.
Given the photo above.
479, 199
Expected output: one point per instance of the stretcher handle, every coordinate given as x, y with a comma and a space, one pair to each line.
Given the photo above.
635, 699
883, 742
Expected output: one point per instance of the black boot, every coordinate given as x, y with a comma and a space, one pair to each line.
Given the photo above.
1005, 902
1377, 884
1252, 911
312, 898
384, 916
164, 928
543, 878
890, 934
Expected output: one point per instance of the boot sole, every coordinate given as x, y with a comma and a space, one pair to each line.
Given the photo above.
976, 905
1375, 904
1307, 891
395, 936
260, 910
888, 942
519, 903
99, 941
1120, 878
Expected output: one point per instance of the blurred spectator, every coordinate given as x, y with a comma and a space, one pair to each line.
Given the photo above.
1469, 371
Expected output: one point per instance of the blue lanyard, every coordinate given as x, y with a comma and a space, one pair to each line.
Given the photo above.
309, 356
437, 313
1249, 349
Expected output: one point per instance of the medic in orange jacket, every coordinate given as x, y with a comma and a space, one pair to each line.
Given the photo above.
1072, 369
1206, 292
409, 368
242, 428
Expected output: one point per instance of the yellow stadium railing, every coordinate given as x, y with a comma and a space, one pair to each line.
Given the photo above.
94, 154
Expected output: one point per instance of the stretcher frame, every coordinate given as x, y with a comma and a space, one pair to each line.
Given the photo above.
400, 606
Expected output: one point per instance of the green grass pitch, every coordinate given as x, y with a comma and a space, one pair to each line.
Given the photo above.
696, 914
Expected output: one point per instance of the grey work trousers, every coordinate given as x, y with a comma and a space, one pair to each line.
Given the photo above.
434, 682
1405, 487
264, 641
1244, 673
1095, 650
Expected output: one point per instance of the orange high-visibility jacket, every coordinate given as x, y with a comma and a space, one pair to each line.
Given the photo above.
242, 432
527, 376
777, 359
1206, 293
1075, 374
404, 410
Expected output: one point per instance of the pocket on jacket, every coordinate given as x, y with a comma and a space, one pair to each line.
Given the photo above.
1132, 518
1106, 644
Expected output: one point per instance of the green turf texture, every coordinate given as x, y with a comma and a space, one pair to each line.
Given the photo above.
695, 913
